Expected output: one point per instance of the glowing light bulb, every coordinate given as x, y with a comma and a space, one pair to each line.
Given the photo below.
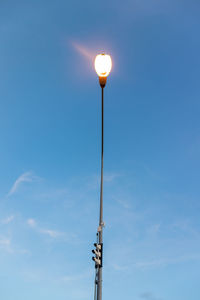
103, 65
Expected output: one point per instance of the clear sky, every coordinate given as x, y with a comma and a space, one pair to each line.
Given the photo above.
50, 149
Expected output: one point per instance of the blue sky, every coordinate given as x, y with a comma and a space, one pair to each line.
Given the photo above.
50, 149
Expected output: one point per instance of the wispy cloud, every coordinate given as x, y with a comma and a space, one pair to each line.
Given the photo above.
119, 268
111, 177
161, 262
153, 229
124, 203
7, 220
5, 244
185, 227
94, 180
155, 263
76, 277
31, 222
51, 233
25, 177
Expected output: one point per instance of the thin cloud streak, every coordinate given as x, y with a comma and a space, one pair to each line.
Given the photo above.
51, 233
5, 244
76, 277
162, 262
7, 220
25, 177
31, 222
94, 181
111, 177
124, 204
157, 263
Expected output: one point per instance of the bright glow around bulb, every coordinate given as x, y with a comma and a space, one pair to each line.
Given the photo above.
103, 64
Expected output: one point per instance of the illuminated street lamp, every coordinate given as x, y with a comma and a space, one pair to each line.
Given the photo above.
103, 65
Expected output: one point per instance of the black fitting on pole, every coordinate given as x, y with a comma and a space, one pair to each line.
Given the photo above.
102, 81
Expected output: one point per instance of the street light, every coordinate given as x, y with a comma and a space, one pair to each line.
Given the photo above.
103, 65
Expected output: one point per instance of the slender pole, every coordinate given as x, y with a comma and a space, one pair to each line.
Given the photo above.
99, 286
102, 150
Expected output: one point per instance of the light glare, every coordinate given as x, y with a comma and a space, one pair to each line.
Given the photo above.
103, 65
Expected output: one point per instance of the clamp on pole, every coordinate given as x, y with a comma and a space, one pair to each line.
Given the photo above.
102, 81
100, 227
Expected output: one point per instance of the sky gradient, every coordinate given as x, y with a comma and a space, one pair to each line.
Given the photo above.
50, 146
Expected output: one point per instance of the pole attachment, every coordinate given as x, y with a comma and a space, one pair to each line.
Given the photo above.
102, 81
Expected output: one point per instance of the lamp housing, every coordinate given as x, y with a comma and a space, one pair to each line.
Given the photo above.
103, 64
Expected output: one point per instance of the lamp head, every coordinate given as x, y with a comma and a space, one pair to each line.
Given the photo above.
103, 65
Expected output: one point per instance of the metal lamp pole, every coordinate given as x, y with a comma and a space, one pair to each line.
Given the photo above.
102, 81
103, 66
